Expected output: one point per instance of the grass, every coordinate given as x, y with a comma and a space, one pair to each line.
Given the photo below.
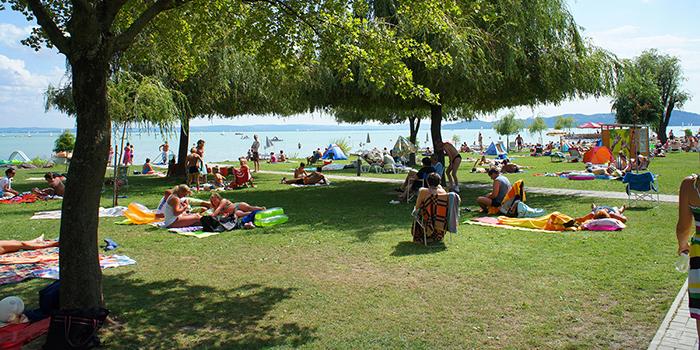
671, 170
342, 273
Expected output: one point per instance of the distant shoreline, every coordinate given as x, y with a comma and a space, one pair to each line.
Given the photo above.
678, 119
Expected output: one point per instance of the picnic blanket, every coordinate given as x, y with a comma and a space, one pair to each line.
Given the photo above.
192, 231
56, 214
310, 185
45, 265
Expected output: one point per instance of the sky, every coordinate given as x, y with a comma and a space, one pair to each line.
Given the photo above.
623, 27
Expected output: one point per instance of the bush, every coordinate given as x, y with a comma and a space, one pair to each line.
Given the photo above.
38, 162
65, 142
688, 132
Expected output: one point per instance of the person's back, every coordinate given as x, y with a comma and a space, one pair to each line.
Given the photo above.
503, 188
58, 186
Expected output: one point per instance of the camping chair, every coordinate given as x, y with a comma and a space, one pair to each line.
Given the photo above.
241, 179
641, 187
574, 156
432, 219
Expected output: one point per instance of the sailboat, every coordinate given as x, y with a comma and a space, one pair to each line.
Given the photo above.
268, 143
368, 140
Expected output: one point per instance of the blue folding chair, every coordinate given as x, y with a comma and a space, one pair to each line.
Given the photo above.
641, 187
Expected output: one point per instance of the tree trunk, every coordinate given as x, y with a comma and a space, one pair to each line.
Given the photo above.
183, 148
436, 134
80, 274
414, 125
663, 124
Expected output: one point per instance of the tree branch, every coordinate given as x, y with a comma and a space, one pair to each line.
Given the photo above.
108, 11
43, 18
125, 39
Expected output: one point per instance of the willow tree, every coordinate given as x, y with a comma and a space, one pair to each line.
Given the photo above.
507, 126
537, 126
485, 56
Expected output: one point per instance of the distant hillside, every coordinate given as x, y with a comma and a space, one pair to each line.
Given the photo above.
678, 118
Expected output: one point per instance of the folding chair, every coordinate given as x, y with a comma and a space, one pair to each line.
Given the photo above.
432, 218
574, 156
641, 187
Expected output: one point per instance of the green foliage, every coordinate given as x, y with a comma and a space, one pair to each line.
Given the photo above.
456, 139
508, 125
637, 99
538, 126
343, 144
38, 162
650, 89
688, 133
563, 122
65, 142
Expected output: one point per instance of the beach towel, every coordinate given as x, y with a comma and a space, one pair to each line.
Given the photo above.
309, 185
21, 198
45, 265
551, 222
488, 221
453, 212
193, 231
56, 214
431, 218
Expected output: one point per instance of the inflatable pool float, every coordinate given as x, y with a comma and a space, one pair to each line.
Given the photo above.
581, 177
270, 217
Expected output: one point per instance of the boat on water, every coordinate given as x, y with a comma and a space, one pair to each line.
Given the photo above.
276, 139
238, 133
222, 133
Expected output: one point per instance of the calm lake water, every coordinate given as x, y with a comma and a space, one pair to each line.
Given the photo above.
228, 146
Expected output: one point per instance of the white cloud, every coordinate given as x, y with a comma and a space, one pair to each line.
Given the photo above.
15, 75
10, 34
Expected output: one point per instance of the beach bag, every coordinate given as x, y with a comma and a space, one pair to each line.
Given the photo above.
75, 329
211, 224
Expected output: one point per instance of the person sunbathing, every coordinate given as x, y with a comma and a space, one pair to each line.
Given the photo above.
509, 168
12, 246
604, 212
299, 174
433, 188
218, 178
6, 184
176, 209
225, 208
147, 167
56, 187
312, 178
414, 179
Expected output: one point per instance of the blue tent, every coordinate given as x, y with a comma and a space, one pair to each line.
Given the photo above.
496, 149
335, 153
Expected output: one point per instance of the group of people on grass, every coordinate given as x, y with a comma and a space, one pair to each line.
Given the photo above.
54, 181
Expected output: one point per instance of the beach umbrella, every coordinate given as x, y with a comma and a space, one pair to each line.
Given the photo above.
368, 141
590, 125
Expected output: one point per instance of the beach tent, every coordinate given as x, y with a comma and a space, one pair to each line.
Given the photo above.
18, 155
403, 147
496, 149
335, 153
598, 155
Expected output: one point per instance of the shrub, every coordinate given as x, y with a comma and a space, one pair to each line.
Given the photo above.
65, 142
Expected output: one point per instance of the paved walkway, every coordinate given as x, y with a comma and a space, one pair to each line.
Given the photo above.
554, 191
677, 330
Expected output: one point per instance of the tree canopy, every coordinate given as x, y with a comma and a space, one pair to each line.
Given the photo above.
563, 122
64, 142
538, 126
507, 126
650, 88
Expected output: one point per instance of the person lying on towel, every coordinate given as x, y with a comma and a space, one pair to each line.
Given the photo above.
56, 186
224, 207
301, 177
603, 212
37, 243
501, 186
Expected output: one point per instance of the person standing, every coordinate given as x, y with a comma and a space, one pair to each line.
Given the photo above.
127, 155
689, 211
519, 142
481, 142
165, 149
255, 157
455, 161
131, 154
202, 164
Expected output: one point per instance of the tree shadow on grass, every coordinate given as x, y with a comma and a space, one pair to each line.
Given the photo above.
170, 314
407, 248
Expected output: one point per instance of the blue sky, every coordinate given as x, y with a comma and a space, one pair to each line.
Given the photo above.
624, 27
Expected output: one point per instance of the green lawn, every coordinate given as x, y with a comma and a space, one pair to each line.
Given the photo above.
342, 273
671, 171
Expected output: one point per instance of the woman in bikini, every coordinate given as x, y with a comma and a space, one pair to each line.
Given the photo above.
455, 161
689, 211
37, 243
224, 207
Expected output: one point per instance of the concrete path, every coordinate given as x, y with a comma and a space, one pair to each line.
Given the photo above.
677, 330
539, 190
